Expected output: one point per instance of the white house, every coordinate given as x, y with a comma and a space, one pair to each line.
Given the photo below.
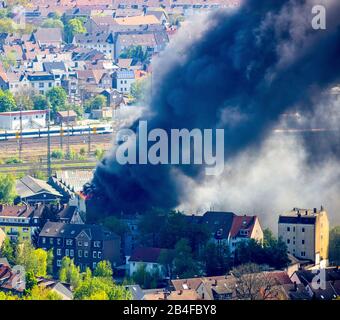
123, 80
31, 119
148, 257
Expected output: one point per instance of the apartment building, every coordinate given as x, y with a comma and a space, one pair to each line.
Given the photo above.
86, 244
21, 222
306, 233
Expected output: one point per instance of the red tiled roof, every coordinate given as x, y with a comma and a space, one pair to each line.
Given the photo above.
242, 222
146, 255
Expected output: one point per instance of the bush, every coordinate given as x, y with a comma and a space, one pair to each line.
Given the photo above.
13, 160
99, 153
57, 154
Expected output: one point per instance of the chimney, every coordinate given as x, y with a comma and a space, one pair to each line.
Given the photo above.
295, 286
314, 210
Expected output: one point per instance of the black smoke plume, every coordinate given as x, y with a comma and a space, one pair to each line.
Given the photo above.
246, 69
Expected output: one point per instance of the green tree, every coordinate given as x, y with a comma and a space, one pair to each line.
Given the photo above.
8, 296
7, 101
184, 264
69, 272
40, 293
103, 269
136, 53
34, 260
140, 89
9, 60
49, 262
31, 282
39, 102
73, 27
268, 237
216, 259
334, 245
98, 288
8, 251
146, 279
6, 25
57, 98
7, 188
95, 103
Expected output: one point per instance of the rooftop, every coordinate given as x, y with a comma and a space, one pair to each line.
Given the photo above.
29, 186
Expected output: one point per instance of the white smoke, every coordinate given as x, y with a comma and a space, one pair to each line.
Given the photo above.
274, 178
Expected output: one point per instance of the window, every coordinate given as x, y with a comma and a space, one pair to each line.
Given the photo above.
80, 243
41, 84
288, 229
303, 241
51, 240
303, 229
67, 252
303, 253
94, 265
69, 242
86, 244
80, 253
294, 229
71, 253
96, 244
58, 263
94, 254
288, 241
59, 241
86, 254
58, 252
99, 255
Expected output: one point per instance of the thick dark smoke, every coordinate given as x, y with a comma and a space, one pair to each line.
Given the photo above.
244, 71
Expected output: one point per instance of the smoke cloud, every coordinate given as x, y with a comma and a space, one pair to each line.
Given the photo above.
239, 70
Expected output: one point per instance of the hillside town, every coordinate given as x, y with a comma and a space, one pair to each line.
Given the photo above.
70, 72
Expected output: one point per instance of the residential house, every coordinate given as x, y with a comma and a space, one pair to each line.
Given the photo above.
148, 257
68, 117
124, 41
102, 41
123, 79
208, 288
228, 229
16, 82
27, 119
11, 280
48, 37
63, 290
86, 244
63, 213
70, 184
32, 190
42, 82
306, 233
320, 284
172, 295
21, 222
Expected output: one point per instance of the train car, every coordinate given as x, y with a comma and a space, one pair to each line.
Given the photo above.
57, 131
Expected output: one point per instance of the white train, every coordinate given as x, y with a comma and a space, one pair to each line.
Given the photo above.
57, 131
